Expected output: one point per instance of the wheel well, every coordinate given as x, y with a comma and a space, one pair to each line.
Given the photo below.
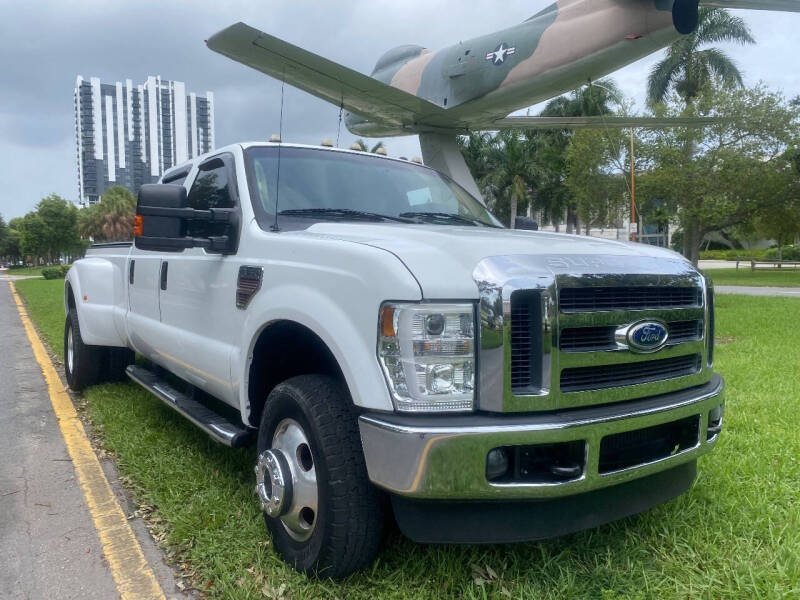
70, 298
283, 350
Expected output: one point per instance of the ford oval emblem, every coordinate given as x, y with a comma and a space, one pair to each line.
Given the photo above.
647, 336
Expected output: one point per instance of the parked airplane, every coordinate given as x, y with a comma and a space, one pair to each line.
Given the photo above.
474, 85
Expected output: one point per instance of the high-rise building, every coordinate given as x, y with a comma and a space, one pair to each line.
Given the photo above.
129, 135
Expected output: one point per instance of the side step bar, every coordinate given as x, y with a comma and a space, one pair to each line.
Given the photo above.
214, 424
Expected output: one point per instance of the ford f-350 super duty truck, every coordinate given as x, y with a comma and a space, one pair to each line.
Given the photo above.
388, 346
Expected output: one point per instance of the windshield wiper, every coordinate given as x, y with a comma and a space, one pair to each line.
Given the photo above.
342, 213
445, 216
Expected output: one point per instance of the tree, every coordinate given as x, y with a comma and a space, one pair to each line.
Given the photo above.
60, 222
511, 175
719, 182
33, 240
10, 248
111, 219
600, 98
595, 99
363, 147
3, 232
596, 192
778, 216
687, 68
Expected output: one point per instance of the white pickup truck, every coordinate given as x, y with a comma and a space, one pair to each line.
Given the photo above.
390, 348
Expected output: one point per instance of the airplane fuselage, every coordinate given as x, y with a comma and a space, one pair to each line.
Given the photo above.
486, 78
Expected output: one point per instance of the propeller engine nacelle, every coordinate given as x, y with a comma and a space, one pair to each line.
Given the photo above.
686, 15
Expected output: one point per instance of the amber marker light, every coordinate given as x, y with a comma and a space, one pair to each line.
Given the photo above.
138, 225
387, 321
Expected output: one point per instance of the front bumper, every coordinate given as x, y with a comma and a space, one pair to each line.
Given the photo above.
444, 458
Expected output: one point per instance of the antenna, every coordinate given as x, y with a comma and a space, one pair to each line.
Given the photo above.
280, 144
339, 130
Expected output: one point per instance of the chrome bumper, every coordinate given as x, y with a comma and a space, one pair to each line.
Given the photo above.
435, 457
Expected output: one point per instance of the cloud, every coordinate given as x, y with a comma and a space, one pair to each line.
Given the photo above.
52, 42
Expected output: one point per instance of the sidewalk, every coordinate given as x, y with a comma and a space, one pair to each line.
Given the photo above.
774, 292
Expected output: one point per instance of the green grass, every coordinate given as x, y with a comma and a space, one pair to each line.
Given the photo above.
25, 271
736, 534
786, 277
45, 303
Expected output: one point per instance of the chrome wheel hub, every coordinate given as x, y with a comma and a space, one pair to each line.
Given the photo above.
286, 480
70, 350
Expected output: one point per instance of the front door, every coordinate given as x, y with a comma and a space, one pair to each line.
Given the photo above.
198, 291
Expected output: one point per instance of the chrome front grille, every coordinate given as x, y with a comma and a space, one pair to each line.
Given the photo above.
588, 339
526, 339
552, 330
593, 299
583, 379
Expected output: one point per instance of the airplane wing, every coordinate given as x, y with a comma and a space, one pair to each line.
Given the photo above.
598, 122
778, 5
323, 78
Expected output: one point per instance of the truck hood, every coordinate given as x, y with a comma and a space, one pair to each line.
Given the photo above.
443, 258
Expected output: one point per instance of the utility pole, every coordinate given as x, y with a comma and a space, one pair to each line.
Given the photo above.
634, 222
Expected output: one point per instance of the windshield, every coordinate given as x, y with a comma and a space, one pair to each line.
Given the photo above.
325, 185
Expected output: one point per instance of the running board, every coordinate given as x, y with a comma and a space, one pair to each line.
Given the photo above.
214, 424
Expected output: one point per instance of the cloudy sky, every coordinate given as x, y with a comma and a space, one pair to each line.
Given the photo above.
45, 45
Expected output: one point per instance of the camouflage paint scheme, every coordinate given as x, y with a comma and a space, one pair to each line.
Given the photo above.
474, 85
566, 44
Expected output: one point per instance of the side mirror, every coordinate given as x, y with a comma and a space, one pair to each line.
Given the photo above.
160, 233
526, 223
162, 217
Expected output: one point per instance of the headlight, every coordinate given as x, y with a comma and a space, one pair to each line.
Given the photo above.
427, 352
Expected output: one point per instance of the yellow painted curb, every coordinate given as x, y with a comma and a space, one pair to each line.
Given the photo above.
134, 578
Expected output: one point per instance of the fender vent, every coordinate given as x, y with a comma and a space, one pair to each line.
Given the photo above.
247, 285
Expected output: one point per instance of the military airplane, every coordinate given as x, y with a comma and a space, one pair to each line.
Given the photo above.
475, 85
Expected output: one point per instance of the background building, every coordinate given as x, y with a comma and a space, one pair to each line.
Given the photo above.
129, 135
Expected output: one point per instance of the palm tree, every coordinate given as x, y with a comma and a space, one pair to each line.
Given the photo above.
594, 99
363, 147
512, 172
687, 68
111, 219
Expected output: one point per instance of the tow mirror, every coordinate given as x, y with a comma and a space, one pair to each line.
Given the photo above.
162, 217
526, 223
159, 232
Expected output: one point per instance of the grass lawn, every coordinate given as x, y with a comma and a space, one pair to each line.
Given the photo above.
736, 534
25, 271
760, 278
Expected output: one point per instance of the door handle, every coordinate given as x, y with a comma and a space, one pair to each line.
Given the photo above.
131, 271
164, 267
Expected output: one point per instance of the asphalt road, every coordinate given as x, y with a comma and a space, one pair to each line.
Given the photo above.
48, 543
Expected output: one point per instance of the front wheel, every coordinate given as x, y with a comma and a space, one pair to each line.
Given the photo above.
324, 515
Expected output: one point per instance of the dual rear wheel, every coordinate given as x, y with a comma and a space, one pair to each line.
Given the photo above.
86, 365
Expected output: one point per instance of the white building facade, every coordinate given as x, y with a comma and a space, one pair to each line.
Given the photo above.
130, 134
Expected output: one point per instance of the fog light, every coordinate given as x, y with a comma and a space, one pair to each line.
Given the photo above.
496, 463
714, 422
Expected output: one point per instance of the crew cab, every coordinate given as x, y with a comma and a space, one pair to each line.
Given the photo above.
392, 350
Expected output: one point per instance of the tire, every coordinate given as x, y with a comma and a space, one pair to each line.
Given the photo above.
91, 365
347, 525
82, 362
